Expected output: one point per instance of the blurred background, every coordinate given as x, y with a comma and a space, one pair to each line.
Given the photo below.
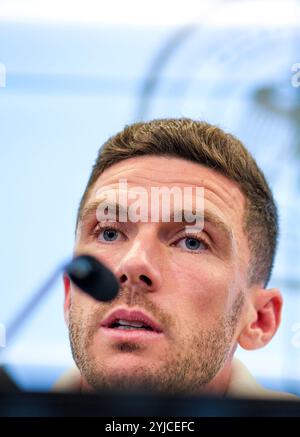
74, 73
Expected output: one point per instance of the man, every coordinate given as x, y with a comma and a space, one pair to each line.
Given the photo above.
189, 295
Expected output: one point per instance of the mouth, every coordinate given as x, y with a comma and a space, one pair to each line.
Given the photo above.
130, 324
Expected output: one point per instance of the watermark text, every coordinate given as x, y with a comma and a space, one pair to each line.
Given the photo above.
2, 76
295, 80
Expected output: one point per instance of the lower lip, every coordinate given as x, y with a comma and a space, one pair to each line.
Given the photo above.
130, 334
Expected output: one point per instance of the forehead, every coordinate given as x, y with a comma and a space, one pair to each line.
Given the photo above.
223, 199
220, 193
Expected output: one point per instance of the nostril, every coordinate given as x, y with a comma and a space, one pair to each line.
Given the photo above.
123, 279
146, 279
143, 278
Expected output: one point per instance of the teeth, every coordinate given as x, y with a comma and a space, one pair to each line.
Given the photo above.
130, 323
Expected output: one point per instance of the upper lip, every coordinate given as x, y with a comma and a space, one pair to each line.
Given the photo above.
133, 315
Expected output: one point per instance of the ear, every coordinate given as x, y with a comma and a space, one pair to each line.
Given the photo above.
67, 301
262, 318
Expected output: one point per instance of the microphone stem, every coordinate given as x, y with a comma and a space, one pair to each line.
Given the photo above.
24, 313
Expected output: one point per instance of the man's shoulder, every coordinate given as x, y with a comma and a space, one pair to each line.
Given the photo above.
242, 384
69, 381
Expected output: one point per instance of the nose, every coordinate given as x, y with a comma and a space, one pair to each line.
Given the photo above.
140, 266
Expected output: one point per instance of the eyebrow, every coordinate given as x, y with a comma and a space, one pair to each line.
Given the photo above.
209, 216
91, 209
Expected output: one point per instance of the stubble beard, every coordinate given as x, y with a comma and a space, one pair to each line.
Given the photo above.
189, 367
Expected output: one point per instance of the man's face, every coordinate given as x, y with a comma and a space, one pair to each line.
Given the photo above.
188, 290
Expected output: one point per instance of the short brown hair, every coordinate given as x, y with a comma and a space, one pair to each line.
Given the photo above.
208, 145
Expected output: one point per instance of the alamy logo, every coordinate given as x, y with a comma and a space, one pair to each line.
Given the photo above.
158, 204
2, 335
296, 336
295, 80
2, 76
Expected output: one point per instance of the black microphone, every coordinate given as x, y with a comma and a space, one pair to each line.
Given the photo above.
93, 277
85, 271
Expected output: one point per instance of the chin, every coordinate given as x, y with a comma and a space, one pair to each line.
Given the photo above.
125, 379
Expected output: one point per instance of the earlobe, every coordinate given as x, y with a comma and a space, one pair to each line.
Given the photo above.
262, 319
67, 301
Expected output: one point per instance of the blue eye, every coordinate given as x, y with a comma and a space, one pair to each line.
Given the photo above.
108, 234
193, 244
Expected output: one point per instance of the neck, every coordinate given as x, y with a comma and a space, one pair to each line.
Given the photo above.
219, 385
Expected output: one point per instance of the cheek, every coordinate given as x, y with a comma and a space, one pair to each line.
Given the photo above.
86, 312
82, 305
110, 256
201, 288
